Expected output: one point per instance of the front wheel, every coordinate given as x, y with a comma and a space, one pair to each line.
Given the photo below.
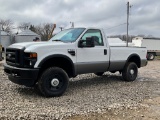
130, 72
53, 82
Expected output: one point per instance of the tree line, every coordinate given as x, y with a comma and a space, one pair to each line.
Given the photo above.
44, 30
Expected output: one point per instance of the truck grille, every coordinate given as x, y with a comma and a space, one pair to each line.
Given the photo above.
14, 57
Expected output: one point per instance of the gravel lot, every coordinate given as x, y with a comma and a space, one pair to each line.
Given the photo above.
86, 94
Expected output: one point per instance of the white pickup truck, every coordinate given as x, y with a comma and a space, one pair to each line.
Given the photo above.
69, 53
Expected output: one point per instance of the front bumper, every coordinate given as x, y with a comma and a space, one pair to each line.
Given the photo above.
21, 76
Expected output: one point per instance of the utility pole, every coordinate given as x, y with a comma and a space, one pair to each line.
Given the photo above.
128, 6
0, 43
127, 23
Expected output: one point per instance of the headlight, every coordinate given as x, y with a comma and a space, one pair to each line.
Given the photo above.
30, 59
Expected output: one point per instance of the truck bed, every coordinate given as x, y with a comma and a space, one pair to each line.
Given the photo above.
119, 55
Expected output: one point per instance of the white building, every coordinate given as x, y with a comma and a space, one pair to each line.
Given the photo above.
5, 39
25, 36
118, 42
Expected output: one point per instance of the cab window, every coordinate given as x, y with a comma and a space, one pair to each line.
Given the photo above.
97, 34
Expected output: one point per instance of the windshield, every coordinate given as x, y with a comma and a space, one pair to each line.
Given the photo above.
69, 35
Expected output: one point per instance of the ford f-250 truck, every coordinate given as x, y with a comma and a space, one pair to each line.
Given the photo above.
69, 53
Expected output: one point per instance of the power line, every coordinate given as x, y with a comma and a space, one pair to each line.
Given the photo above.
115, 26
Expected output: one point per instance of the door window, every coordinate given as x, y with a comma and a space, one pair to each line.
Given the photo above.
96, 34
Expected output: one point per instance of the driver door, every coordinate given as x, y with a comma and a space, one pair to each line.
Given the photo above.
92, 59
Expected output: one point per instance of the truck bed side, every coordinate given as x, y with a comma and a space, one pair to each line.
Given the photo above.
119, 56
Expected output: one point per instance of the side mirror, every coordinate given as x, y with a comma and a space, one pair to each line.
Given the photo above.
89, 42
81, 43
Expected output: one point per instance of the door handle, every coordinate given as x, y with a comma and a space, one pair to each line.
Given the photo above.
105, 52
72, 52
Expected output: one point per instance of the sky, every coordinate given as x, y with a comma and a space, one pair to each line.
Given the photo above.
144, 18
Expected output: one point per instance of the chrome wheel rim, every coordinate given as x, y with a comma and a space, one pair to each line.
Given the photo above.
132, 72
55, 82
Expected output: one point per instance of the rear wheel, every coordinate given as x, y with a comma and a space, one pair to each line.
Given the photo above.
53, 82
130, 72
99, 73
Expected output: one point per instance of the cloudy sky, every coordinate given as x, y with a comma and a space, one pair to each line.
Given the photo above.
144, 14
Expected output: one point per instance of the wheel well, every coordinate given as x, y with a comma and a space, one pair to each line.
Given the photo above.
135, 59
61, 62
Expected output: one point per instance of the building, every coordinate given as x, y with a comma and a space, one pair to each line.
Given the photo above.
25, 36
5, 39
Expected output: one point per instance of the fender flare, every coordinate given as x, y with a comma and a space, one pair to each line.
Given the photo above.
133, 55
55, 56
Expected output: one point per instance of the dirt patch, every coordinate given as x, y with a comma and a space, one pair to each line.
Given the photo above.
148, 110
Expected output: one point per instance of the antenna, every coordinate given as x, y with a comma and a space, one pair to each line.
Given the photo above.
72, 24
61, 28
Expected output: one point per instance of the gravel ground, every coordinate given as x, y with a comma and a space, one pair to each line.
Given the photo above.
85, 94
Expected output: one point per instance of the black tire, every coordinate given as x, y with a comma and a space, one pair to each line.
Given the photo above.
130, 72
99, 73
151, 56
112, 71
53, 82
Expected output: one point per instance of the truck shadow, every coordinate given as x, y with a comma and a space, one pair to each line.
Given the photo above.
105, 79
89, 83
75, 83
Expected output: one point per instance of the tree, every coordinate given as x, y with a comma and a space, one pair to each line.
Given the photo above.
150, 36
32, 28
6, 25
24, 25
141, 35
44, 30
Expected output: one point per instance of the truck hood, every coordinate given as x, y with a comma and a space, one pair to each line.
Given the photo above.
29, 45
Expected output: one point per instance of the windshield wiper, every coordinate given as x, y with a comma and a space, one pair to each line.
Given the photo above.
57, 40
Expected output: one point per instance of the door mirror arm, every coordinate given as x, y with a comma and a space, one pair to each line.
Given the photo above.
80, 43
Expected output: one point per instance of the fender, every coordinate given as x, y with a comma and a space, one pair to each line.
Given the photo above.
134, 55
58, 55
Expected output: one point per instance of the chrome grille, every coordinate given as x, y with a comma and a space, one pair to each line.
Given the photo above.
13, 57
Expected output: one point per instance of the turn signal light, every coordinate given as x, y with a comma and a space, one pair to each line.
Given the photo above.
33, 55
